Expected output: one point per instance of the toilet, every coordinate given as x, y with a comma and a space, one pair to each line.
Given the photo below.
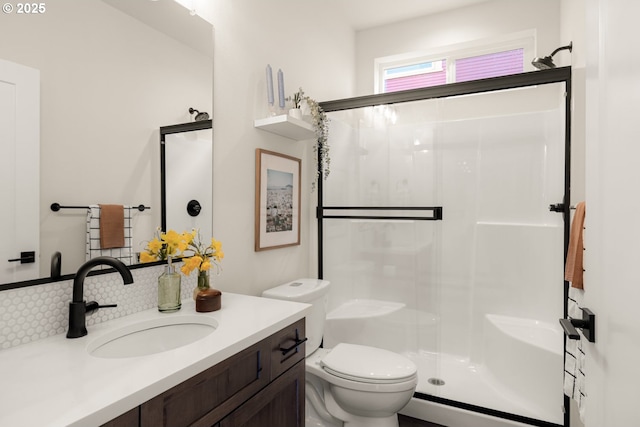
349, 385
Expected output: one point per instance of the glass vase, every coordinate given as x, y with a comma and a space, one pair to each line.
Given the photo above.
203, 282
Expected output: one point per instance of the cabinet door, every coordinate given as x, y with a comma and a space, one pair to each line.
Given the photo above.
280, 404
203, 400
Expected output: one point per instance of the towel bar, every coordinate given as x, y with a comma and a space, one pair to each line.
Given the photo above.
57, 206
587, 324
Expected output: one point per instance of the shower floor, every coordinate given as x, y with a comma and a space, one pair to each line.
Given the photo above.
473, 384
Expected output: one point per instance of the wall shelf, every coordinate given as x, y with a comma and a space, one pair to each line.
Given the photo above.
287, 126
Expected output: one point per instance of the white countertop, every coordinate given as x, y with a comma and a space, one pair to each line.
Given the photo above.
55, 382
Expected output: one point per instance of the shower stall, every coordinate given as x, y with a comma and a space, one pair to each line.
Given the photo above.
442, 230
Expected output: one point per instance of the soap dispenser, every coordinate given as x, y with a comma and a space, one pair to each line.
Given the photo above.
169, 289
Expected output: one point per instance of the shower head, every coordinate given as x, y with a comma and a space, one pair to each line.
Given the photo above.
199, 116
546, 63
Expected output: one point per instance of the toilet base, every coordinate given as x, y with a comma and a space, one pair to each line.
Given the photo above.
353, 420
357, 421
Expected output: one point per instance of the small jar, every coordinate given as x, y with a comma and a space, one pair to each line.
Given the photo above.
208, 300
169, 290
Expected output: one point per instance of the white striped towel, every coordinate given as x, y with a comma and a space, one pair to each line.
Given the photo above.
124, 254
574, 379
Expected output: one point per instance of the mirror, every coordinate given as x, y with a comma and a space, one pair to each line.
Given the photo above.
186, 153
112, 72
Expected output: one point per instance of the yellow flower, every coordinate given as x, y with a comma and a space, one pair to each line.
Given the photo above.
172, 239
164, 245
189, 236
191, 264
155, 245
203, 257
147, 257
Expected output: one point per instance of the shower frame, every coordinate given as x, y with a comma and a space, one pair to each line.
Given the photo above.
551, 76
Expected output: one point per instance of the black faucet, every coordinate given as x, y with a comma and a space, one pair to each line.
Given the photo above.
78, 308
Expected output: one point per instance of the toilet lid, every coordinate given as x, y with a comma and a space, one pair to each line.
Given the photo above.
367, 364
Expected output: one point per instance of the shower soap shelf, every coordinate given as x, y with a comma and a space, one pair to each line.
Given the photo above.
287, 126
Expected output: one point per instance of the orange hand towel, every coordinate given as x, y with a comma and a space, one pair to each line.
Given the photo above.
573, 271
111, 226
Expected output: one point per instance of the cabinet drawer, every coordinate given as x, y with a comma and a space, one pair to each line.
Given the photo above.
287, 347
204, 399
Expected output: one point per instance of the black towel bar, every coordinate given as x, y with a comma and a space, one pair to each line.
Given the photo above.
587, 324
57, 206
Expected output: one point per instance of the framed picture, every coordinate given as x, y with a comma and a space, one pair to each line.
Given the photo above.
277, 200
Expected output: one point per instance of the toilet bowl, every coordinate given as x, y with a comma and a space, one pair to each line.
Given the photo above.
361, 385
348, 385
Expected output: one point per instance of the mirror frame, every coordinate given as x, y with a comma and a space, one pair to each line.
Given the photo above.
169, 130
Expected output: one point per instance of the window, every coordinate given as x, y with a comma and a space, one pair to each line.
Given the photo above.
490, 65
413, 76
460, 63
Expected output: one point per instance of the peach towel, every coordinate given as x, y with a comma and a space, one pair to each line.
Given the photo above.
111, 226
573, 270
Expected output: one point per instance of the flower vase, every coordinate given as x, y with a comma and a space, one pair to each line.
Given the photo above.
203, 282
207, 299
296, 113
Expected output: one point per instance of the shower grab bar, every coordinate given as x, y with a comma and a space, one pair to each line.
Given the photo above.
436, 212
57, 206
587, 324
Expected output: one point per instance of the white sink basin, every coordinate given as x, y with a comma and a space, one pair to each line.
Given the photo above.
152, 336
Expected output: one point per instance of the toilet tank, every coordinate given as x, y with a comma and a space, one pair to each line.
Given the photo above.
309, 291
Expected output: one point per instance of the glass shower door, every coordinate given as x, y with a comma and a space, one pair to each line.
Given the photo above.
439, 244
381, 227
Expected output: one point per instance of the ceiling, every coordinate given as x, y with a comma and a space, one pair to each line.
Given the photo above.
171, 19
363, 14
176, 21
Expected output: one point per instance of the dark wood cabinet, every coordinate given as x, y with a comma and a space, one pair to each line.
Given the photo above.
280, 404
128, 419
262, 385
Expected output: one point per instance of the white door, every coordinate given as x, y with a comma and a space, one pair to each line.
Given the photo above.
612, 222
19, 171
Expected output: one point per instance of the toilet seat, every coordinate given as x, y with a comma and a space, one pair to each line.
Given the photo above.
366, 364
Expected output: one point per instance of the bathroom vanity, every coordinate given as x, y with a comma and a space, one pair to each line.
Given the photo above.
260, 386
248, 372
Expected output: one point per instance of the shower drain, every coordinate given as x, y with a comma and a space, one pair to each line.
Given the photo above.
435, 381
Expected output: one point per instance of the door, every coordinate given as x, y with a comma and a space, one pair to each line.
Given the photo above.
19, 171
475, 295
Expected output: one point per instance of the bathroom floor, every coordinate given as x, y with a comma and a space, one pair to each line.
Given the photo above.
405, 421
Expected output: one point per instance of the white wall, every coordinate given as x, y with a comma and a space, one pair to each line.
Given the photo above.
476, 22
315, 50
108, 83
612, 252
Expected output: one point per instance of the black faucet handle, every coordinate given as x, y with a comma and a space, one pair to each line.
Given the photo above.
93, 306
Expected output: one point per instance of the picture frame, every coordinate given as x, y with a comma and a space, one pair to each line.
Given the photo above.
277, 200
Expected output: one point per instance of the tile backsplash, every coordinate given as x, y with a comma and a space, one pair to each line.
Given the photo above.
36, 312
